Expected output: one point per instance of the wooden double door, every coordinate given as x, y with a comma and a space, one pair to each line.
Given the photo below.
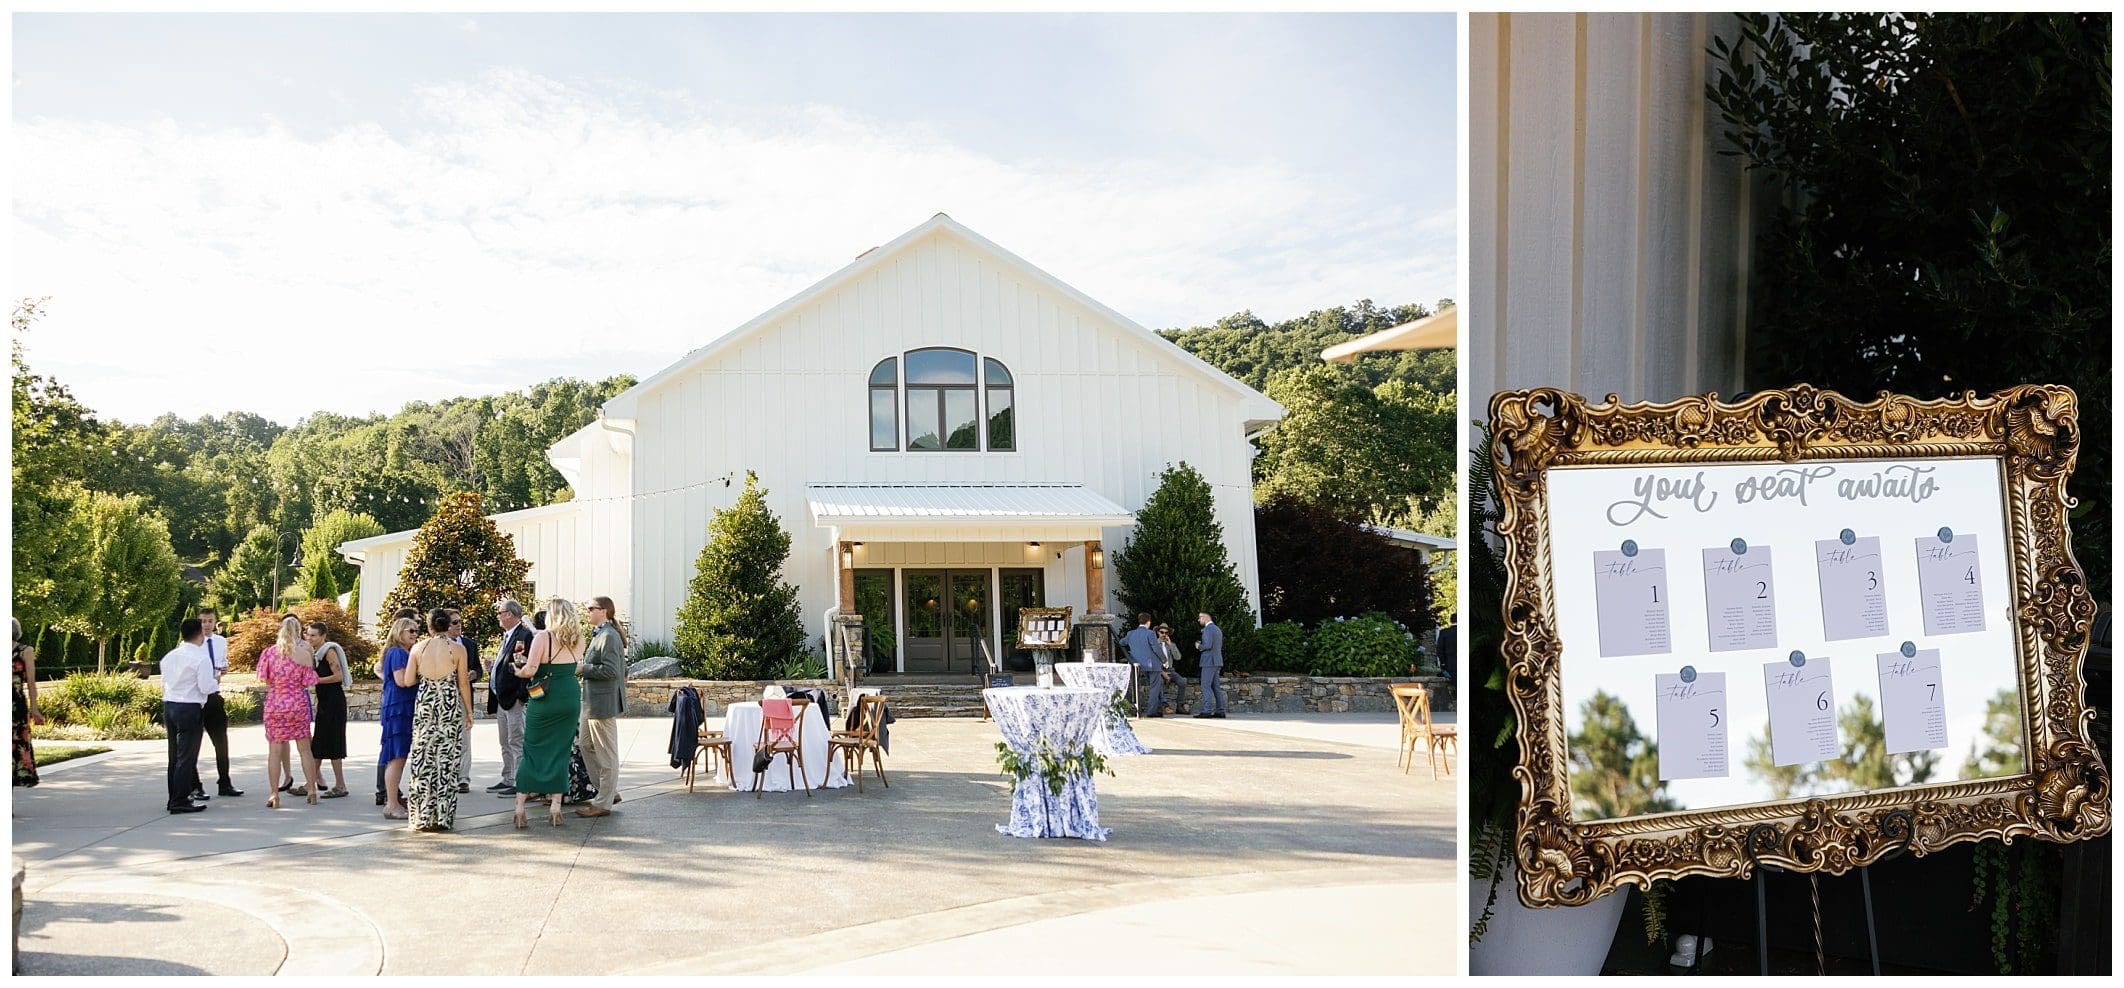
952, 614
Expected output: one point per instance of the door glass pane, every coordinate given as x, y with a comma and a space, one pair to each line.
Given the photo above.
959, 420
940, 367
925, 605
884, 420
873, 600
1002, 424
970, 617
1020, 588
922, 425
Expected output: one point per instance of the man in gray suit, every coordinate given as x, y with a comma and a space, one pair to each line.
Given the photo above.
1143, 651
1212, 648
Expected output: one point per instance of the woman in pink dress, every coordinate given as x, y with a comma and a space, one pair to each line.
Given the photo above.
286, 670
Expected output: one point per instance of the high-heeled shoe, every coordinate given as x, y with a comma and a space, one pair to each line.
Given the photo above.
311, 797
521, 820
554, 816
273, 801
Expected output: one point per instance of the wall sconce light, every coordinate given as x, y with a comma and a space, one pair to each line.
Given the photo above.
1098, 558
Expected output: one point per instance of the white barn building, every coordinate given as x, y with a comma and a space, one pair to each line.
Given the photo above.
947, 432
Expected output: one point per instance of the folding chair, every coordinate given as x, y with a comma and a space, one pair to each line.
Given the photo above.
870, 712
782, 733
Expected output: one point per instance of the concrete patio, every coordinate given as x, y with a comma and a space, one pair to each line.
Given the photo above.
1286, 844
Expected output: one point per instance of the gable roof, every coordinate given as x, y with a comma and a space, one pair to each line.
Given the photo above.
1259, 409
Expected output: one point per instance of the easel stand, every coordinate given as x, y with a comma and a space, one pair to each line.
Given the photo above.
1762, 916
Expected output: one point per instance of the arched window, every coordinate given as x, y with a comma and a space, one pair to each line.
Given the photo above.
942, 391
885, 405
1002, 414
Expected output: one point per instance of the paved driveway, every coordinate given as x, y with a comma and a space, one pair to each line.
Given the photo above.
1284, 845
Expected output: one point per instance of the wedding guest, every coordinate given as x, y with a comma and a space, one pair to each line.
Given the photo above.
285, 668
551, 710
402, 614
328, 738
26, 712
1211, 701
214, 714
505, 691
186, 674
604, 673
1169, 670
396, 715
442, 716
1143, 651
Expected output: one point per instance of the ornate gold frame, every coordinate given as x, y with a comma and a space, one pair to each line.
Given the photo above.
1028, 613
2033, 430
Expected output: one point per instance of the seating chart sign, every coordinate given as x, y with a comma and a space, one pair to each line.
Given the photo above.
1797, 602
1043, 627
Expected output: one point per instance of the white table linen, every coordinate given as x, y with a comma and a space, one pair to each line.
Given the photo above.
741, 723
1118, 738
1067, 718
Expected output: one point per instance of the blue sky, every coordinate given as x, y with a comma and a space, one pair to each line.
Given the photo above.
240, 187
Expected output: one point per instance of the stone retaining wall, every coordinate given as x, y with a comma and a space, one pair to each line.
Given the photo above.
1244, 694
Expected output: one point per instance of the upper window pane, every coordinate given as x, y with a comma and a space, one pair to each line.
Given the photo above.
886, 373
998, 375
884, 419
959, 422
940, 366
1002, 426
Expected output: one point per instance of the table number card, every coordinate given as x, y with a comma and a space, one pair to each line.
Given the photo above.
1802, 712
1630, 594
1950, 589
1690, 719
1740, 597
1854, 590
1913, 700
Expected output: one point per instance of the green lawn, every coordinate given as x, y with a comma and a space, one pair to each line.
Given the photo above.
52, 754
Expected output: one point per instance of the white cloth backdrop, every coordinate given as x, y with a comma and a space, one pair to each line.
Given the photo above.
741, 723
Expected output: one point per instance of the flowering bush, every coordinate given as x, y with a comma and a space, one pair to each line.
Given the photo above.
1280, 647
1370, 644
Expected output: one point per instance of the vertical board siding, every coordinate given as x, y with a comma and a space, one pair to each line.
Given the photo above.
1608, 235
1096, 408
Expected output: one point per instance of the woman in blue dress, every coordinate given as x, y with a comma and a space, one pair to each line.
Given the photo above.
397, 713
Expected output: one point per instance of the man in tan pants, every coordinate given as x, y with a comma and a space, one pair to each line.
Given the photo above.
604, 673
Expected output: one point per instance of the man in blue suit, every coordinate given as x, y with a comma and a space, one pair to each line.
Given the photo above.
1212, 648
1143, 651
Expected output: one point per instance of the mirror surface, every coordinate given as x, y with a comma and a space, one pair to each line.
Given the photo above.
1888, 577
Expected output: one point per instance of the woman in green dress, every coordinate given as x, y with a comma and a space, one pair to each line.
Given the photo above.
553, 711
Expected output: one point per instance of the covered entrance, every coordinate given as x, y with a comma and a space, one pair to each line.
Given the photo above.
938, 573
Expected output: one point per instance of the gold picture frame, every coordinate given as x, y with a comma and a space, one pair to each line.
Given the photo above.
2032, 430
1045, 628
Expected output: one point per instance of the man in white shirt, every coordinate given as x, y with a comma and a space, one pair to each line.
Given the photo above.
214, 715
187, 676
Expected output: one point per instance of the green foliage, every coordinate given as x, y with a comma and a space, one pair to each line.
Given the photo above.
1053, 768
53, 754
1370, 644
803, 665
740, 620
321, 542
52, 432
1175, 566
652, 648
1381, 454
2016, 885
1252, 351
100, 707
317, 580
459, 559
1443, 520
243, 706
1280, 647
1944, 221
136, 573
255, 568
1316, 566
1614, 766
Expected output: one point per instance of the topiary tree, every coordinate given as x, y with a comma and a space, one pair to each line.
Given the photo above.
740, 621
459, 559
1175, 566
316, 578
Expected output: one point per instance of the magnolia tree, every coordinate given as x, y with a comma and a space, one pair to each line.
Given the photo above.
1175, 566
740, 619
459, 559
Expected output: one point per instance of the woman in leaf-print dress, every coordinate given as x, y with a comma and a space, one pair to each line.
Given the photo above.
442, 713
26, 712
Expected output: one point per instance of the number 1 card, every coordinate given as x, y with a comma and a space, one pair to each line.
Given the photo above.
1630, 593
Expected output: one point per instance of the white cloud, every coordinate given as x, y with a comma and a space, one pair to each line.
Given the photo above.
521, 228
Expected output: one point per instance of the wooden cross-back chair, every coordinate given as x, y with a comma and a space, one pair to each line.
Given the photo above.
853, 745
782, 733
1414, 703
714, 750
